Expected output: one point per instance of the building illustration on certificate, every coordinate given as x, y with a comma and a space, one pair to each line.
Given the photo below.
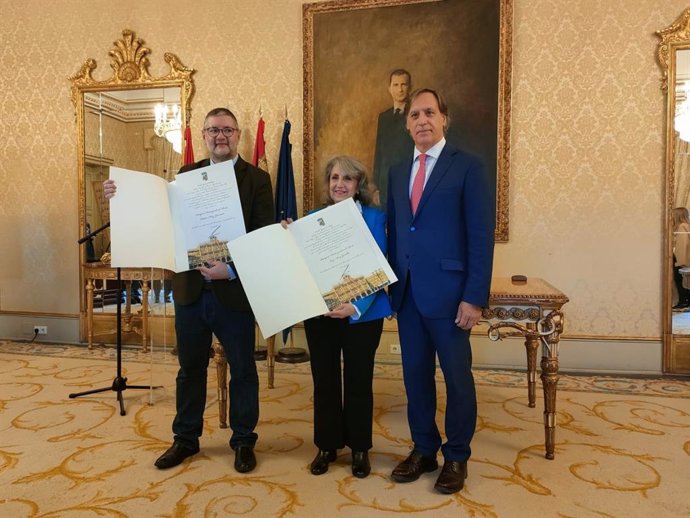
212, 250
353, 288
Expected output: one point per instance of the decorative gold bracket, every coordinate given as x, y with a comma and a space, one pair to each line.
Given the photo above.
678, 32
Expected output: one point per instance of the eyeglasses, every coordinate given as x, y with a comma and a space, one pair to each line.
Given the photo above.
227, 132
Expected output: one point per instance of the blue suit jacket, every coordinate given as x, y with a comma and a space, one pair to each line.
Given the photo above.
447, 247
377, 304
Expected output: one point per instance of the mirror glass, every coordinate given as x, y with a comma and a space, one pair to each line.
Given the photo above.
133, 121
681, 229
121, 129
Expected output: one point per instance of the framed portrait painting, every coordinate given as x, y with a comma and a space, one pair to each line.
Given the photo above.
353, 50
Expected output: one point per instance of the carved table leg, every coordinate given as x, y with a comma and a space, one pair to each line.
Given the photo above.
222, 375
270, 359
549, 379
89, 312
145, 315
531, 345
127, 316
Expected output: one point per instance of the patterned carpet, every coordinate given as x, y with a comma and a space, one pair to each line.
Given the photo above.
622, 447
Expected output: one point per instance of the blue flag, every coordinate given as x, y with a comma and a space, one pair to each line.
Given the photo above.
286, 201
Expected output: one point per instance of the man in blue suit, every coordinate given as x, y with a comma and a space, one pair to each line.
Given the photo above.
441, 218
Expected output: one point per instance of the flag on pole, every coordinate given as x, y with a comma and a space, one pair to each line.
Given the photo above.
259, 159
286, 201
188, 148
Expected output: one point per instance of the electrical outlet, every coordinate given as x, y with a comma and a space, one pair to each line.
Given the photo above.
41, 330
394, 348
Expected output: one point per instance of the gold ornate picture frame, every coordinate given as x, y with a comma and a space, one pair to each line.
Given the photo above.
461, 48
119, 95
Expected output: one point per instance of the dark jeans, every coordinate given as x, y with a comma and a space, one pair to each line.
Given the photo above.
343, 403
194, 325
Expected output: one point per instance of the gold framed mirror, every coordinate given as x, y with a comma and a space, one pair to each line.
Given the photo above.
673, 53
134, 121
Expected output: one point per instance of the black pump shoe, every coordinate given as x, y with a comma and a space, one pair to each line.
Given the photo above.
360, 464
319, 465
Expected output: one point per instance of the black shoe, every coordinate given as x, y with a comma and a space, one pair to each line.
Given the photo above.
319, 465
360, 464
174, 456
245, 460
413, 466
452, 477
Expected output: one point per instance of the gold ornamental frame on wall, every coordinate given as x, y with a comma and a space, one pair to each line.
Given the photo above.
676, 37
129, 61
346, 66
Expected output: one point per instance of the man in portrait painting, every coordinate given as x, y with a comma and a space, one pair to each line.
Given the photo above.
393, 142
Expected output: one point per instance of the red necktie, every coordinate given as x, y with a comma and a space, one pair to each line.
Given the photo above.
418, 184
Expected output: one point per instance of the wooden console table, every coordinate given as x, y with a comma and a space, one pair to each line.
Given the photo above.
532, 309
105, 272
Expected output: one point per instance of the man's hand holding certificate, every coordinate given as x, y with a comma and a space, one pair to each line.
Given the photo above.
319, 262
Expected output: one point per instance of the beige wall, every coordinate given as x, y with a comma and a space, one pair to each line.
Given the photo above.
586, 185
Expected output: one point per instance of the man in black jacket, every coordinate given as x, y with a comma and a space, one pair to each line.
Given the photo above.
211, 301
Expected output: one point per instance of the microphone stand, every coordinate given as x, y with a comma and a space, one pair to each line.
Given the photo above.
119, 384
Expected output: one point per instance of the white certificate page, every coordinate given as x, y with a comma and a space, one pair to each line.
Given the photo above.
141, 230
207, 213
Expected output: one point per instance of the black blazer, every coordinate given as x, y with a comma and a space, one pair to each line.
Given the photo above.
256, 197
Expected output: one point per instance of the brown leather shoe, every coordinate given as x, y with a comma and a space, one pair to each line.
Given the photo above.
452, 477
413, 466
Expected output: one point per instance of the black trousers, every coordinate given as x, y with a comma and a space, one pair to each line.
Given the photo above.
343, 401
683, 293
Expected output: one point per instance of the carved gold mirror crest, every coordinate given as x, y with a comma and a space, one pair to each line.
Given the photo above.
130, 64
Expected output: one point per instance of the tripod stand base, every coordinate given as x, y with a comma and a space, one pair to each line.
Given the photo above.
119, 385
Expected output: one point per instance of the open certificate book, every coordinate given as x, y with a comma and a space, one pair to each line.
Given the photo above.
174, 225
321, 261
